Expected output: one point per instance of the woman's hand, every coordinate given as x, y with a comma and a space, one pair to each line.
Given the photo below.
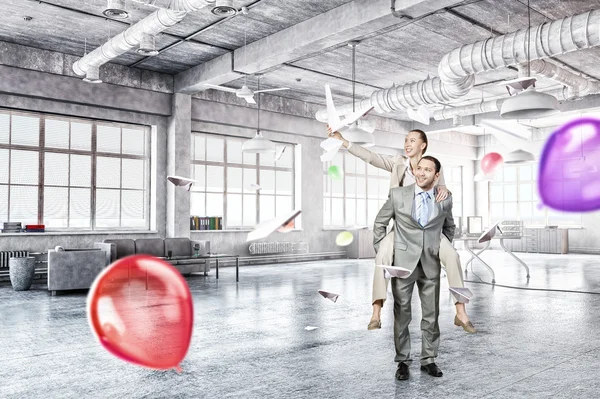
337, 135
442, 193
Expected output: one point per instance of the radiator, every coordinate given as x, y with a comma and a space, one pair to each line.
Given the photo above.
6, 255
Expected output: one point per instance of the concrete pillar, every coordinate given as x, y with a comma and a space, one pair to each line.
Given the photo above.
178, 163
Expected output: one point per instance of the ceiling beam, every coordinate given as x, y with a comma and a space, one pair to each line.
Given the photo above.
336, 27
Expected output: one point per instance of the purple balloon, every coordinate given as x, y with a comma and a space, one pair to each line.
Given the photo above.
569, 178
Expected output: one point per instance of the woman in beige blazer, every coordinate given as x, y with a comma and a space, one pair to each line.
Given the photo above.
401, 168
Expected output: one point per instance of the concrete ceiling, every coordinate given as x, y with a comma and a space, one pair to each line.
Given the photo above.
392, 50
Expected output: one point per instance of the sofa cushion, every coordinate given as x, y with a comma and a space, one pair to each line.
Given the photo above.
150, 246
125, 246
178, 246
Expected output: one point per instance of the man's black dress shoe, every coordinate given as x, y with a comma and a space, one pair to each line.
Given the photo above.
432, 370
402, 373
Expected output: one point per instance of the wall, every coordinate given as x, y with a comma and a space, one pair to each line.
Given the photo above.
45, 92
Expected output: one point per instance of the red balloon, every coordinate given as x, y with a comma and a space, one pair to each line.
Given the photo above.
491, 162
140, 309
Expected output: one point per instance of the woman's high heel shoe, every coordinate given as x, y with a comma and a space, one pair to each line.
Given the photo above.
374, 325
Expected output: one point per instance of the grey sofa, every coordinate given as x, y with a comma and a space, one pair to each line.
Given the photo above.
74, 269
162, 248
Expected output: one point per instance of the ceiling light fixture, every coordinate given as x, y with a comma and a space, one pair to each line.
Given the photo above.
258, 144
518, 156
529, 103
116, 9
224, 8
355, 134
147, 45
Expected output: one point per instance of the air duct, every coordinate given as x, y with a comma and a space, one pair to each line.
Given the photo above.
579, 86
147, 45
458, 68
153, 24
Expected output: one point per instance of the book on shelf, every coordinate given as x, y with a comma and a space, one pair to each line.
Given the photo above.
35, 228
206, 223
12, 227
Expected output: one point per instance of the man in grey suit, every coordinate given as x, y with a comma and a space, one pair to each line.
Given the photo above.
419, 223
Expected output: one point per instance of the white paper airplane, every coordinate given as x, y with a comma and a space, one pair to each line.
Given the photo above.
464, 293
421, 115
331, 147
329, 295
264, 229
310, 328
333, 119
518, 85
182, 181
331, 144
488, 234
255, 186
395, 271
279, 152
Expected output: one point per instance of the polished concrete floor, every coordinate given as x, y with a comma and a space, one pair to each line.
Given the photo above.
249, 339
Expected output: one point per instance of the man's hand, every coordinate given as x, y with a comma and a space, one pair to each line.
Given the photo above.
442, 194
337, 135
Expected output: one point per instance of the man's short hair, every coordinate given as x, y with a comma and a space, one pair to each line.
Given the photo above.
438, 165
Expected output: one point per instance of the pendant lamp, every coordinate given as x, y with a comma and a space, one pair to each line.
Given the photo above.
355, 134
258, 144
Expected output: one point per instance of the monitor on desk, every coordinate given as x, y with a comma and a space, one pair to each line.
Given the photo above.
474, 225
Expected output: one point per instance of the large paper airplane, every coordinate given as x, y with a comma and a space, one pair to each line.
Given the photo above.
333, 119
264, 229
395, 271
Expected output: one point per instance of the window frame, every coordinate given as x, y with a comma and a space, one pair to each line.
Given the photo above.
42, 149
534, 201
257, 167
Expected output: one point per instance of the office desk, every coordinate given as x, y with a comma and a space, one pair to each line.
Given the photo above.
209, 257
474, 255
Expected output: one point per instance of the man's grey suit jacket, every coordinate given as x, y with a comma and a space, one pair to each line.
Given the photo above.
413, 243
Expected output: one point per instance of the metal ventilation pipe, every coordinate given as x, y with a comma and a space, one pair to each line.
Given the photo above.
458, 68
549, 39
153, 24
579, 86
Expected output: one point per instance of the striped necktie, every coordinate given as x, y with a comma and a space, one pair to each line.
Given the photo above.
422, 212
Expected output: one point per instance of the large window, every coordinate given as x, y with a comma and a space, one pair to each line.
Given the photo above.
514, 196
71, 174
225, 174
453, 179
355, 199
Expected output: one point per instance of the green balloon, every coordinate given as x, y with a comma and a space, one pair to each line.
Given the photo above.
335, 172
344, 238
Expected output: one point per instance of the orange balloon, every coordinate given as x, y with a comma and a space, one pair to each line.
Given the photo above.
140, 309
491, 162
